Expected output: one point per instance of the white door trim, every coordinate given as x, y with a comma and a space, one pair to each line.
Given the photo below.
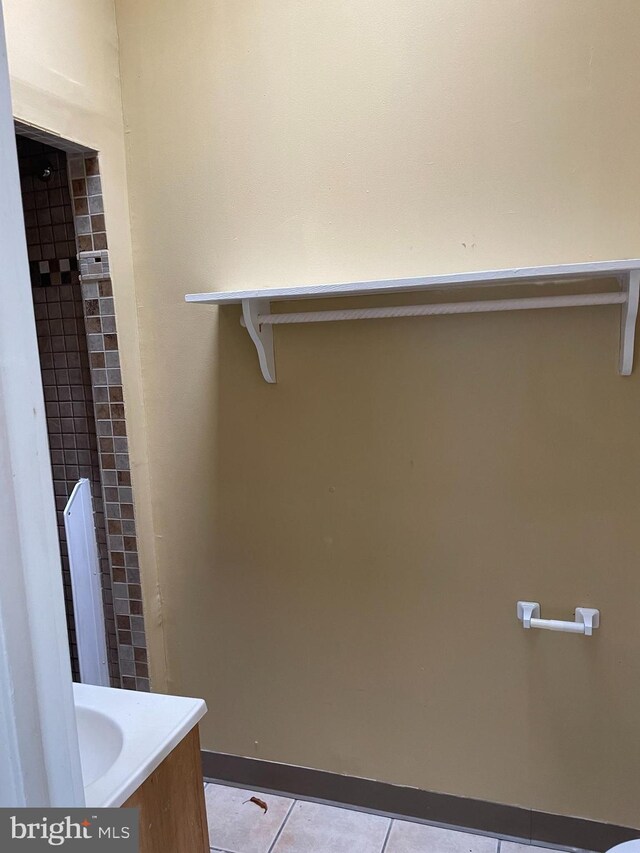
40, 759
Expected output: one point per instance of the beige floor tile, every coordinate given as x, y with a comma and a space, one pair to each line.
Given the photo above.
315, 828
512, 847
408, 837
239, 826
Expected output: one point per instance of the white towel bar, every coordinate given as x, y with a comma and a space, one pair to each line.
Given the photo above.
440, 308
586, 619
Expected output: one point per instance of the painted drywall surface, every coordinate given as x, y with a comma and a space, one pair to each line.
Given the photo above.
63, 59
359, 139
340, 554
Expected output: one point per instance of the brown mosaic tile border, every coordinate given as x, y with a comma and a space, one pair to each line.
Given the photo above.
111, 427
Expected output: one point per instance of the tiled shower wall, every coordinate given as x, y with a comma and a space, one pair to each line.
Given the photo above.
64, 361
113, 446
83, 386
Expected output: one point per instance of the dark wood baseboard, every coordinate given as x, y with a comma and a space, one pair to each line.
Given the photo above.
411, 803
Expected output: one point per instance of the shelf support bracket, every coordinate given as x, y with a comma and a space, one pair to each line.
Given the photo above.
631, 286
261, 335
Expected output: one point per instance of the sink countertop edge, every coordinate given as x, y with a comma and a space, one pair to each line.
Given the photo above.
144, 747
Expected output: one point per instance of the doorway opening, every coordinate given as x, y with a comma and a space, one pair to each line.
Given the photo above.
80, 367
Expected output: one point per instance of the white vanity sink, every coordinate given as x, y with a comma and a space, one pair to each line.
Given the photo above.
100, 740
125, 735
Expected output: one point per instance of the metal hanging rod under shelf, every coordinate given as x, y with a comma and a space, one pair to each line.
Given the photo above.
259, 320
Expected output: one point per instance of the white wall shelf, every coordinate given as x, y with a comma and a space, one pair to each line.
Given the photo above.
259, 320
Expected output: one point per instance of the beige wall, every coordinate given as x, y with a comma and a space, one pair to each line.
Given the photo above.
63, 61
339, 555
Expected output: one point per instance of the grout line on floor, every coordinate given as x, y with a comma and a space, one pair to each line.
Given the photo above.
282, 825
499, 845
386, 838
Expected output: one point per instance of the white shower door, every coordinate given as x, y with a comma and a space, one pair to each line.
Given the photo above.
86, 586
